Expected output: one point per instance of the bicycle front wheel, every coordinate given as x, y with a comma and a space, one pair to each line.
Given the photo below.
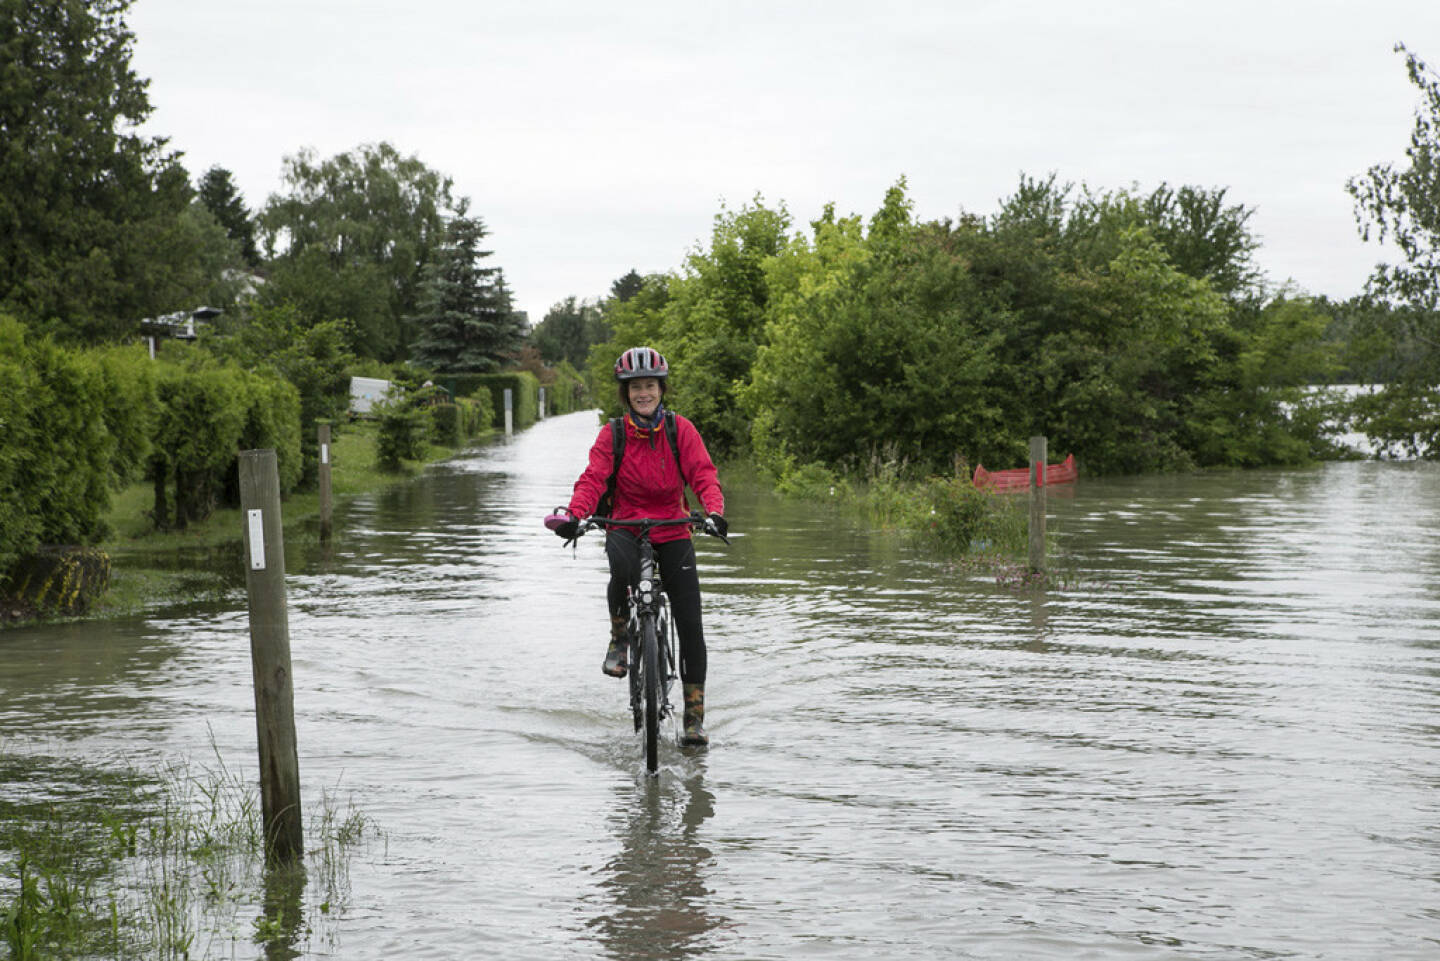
653, 682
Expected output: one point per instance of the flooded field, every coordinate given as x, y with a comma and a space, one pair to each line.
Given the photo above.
1223, 743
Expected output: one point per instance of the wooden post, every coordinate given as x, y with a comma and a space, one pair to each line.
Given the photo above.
1037, 503
325, 525
509, 413
270, 656
542, 403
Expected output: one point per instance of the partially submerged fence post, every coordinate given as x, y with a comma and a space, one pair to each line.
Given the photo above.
1037, 503
324, 439
509, 412
270, 656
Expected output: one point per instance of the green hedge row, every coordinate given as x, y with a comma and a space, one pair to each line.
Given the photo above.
207, 413
523, 385
76, 425
428, 416
57, 455
566, 391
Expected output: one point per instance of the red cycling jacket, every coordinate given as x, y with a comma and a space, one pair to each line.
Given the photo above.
649, 484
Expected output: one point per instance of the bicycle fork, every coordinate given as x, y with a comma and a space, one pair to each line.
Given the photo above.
648, 601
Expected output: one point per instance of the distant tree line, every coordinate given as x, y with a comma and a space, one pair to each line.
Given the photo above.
1130, 328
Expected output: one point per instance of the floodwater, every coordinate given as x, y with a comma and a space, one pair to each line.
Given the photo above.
1223, 742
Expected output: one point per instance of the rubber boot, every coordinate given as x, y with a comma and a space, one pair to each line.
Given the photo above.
617, 655
694, 735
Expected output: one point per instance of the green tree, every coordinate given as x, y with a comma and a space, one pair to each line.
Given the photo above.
94, 225
1201, 235
315, 358
1402, 206
371, 220
569, 330
708, 321
218, 193
879, 345
626, 287
465, 323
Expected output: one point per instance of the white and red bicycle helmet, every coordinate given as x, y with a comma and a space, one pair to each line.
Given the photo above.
641, 362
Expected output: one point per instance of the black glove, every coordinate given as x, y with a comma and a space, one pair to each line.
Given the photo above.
717, 524
568, 530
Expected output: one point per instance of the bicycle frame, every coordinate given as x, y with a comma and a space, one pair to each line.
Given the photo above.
648, 601
653, 665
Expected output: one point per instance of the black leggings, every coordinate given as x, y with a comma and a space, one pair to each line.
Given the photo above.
682, 585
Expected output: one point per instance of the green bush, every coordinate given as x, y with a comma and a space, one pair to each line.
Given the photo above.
404, 432
272, 421
57, 457
566, 391
479, 414
19, 520
811, 481
454, 424
960, 518
525, 395
209, 412
127, 377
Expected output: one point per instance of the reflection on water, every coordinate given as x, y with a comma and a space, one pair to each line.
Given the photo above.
1222, 744
658, 903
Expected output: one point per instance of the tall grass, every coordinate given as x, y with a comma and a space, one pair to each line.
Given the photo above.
166, 865
948, 513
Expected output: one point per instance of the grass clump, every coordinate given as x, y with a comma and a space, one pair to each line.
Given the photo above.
975, 529
949, 514
163, 865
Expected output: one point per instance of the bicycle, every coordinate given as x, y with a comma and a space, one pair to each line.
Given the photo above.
653, 668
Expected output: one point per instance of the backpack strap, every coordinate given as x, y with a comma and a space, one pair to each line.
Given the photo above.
673, 433
617, 446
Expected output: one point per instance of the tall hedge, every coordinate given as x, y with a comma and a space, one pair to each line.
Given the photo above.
208, 413
128, 378
525, 388
566, 391
56, 453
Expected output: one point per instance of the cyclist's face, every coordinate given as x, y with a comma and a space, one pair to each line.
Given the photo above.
644, 395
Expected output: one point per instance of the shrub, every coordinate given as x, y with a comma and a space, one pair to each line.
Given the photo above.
525, 395
127, 378
57, 457
404, 431
208, 413
961, 518
813, 481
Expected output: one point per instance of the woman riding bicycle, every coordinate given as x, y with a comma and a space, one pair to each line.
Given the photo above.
650, 482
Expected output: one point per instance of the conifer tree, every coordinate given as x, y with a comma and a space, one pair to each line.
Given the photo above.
218, 193
465, 322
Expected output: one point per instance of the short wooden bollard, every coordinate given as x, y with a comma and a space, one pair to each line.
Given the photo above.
1037, 503
324, 479
270, 656
509, 412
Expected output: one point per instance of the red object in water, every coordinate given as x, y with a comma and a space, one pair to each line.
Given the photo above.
1019, 479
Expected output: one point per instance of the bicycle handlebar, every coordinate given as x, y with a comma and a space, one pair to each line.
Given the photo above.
695, 520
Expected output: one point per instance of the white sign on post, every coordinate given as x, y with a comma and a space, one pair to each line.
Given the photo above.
257, 540
324, 453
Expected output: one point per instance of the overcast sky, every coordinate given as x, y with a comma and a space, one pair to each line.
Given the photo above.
593, 138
